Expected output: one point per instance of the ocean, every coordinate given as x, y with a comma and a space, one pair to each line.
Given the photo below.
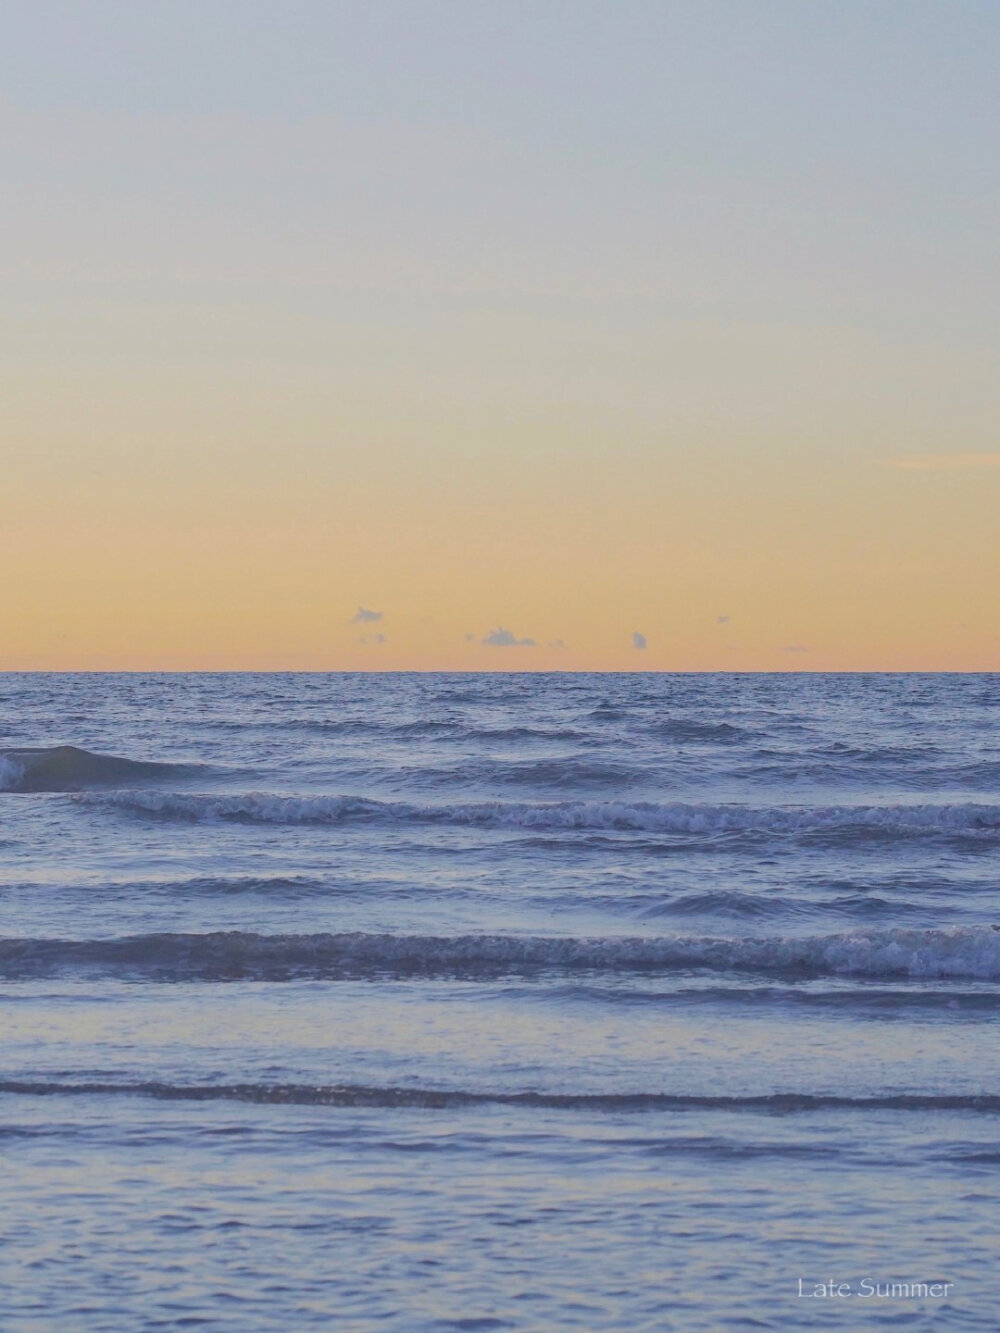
430, 1002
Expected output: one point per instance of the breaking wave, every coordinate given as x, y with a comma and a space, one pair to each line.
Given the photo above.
434, 1099
959, 952
648, 816
66, 768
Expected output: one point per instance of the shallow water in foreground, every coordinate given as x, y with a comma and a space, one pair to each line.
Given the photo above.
426, 1003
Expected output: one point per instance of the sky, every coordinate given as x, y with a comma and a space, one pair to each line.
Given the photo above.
446, 334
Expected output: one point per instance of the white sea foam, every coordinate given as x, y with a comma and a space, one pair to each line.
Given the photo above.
646, 816
969, 952
11, 773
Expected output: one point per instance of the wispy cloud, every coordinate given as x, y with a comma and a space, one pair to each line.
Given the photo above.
795, 648
943, 462
363, 616
503, 638
723, 620
373, 638
638, 640
557, 643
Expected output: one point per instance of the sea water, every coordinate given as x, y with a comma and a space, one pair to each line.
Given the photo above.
469, 1002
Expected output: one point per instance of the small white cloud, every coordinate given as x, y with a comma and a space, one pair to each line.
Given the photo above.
638, 640
503, 638
363, 616
723, 620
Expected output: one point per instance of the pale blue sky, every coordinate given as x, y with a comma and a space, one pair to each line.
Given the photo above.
789, 157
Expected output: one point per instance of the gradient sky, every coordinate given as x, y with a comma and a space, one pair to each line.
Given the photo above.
598, 325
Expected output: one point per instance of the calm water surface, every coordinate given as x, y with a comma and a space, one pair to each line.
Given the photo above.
465, 1002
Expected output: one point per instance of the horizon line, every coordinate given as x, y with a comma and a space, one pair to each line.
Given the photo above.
482, 671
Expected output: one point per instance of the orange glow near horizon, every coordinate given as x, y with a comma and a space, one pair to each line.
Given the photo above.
131, 552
